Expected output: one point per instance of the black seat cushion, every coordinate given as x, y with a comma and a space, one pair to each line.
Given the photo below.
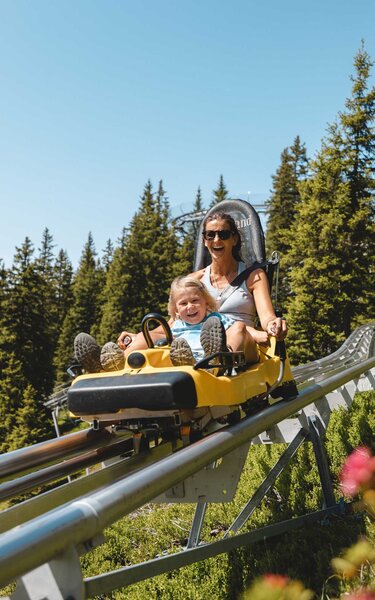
165, 390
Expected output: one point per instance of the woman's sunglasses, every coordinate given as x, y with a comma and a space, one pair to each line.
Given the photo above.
224, 234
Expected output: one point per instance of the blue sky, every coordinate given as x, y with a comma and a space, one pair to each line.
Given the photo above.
98, 96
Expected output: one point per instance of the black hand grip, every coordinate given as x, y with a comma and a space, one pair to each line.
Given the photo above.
146, 330
280, 349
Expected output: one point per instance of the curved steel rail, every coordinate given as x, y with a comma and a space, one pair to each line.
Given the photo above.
85, 518
9, 489
76, 488
359, 345
24, 459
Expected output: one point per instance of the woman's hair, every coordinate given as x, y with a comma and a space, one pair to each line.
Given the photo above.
222, 216
187, 281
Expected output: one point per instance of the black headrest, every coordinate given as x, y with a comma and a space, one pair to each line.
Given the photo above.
249, 226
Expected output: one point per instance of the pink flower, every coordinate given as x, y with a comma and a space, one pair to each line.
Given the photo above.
276, 581
358, 470
361, 595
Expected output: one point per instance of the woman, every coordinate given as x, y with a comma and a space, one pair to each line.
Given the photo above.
223, 241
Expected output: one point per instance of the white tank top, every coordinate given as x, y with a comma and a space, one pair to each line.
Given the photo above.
239, 305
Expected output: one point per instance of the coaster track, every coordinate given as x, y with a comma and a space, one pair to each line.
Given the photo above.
43, 536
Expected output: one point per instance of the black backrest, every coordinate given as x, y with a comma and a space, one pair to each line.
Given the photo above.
249, 226
248, 222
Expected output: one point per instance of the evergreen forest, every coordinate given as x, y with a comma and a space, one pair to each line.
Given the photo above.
320, 220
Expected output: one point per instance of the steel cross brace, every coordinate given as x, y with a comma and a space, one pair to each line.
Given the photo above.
315, 434
103, 584
256, 499
268, 482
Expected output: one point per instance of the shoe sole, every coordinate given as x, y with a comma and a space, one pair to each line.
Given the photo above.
213, 336
112, 357
87, 353
181, 354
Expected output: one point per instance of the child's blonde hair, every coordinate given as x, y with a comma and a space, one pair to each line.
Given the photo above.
187, 281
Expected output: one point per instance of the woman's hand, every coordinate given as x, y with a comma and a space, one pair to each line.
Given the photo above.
125, 339
277, 327
259, 336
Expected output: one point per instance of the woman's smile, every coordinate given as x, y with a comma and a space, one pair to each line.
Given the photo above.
217, 245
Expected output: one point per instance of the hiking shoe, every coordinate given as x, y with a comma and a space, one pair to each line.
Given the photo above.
213, 336
87, 353
112, 358
181, 354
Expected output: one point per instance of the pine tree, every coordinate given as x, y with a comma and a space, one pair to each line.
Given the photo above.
142, 268
197, 208
282, 210
221, 192
45, 263
151, 252
25, 324
45, 259
163, 253
85, 309
333, 247
107, 255
25, 348
359, 165
187, 240
62, 281
317, 255
162, 259
12, 386
32, 423
115, 294
103, 267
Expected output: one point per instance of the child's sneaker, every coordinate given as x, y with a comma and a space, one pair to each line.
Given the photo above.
112, 358
181, 354
213, 336
87, 353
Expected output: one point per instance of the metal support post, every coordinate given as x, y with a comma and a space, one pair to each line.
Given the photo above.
200, 511
55, 421
322, 461
196, 527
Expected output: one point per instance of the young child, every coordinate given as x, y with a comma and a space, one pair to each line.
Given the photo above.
198, 330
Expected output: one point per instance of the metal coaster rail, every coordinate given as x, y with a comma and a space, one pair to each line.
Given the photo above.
24, 459
79, 524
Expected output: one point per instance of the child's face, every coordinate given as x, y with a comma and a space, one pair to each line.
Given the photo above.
190, 305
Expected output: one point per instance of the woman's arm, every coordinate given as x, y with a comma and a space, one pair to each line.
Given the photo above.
257, 284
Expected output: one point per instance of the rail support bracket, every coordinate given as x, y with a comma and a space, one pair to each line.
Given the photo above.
60, 579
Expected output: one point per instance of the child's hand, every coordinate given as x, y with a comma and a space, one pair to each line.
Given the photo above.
125, 339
